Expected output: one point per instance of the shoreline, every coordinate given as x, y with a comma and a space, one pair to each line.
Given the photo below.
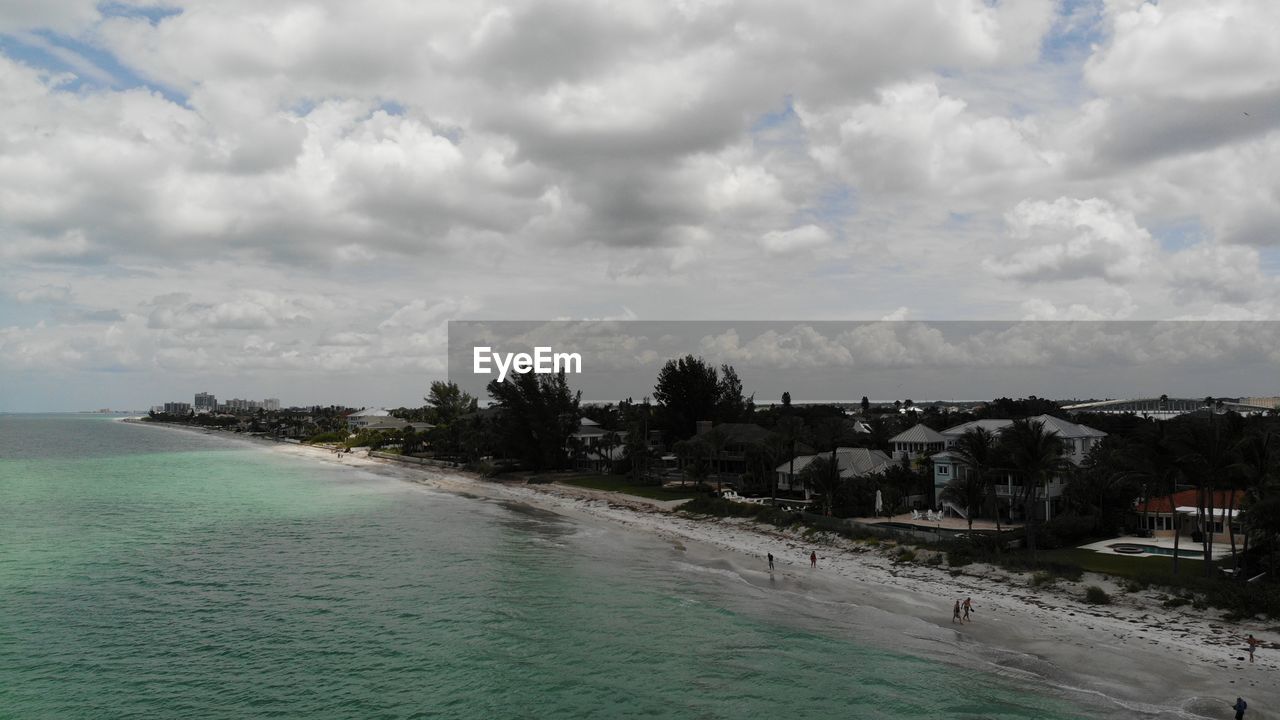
1133, 654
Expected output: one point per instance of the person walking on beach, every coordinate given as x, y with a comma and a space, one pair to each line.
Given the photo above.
968, 605
813, 558
955, 613
1240, 707
770, 562
1253, 644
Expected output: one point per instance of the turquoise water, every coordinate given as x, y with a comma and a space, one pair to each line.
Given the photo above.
155, 573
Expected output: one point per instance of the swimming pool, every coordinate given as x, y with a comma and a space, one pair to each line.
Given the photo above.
1137, 549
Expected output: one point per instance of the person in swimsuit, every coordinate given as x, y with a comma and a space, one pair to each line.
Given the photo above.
955, 613
813, 559
1253, 644
968, 605
771, 561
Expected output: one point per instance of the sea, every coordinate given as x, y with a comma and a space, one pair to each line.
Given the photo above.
152, 572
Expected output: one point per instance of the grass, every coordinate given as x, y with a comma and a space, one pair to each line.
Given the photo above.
614, 483
1144, 569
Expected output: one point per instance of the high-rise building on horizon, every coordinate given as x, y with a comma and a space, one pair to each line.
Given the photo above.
205, 402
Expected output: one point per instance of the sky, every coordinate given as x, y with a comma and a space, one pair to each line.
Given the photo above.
291, 199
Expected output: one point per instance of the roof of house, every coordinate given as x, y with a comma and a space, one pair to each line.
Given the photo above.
1054, 425
919, 433
735, 433
372, 412
852, 462
992, 425
386, 423
1189, 498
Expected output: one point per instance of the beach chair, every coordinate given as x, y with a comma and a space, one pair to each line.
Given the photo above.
915, 514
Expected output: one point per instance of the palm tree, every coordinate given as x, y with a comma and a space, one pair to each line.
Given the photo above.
715, 441
823, 477
1153, 463
1035, 456
976, 449
1259, 463
791, 429
968, 490
1206, 461
609, 441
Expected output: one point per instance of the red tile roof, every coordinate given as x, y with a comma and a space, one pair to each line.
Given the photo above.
1189, 498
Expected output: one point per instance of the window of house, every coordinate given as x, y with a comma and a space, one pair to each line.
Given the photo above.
943, 470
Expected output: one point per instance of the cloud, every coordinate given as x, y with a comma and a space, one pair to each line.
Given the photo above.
1069, 239
805, 237
52, 294
339, 183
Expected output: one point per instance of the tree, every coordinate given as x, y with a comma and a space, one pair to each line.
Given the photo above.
822, 477
448, 402
539, 414
786, 400
688, 390
1152, 461
976, 450
866, 405
967, 490
608, 442
1259, 465
1035, 456
791, 429
1206, 460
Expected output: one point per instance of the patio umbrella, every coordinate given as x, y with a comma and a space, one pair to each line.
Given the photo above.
879, 503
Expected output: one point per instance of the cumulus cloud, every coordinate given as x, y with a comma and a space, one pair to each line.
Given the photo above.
806, 237
1069, 239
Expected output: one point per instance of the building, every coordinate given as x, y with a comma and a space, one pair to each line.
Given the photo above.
1164, 407
1077, 441
919, 440
1157, 513
237, 405
594, 448
363, 418
205, 403
271, 404
389, 423
734, 440
177, 408
850, 462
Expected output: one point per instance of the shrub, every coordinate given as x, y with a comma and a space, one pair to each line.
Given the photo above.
906, 555
1174, 602
328, 437
933, 560
959, 557
1095, 595
1042, 578
1065, 531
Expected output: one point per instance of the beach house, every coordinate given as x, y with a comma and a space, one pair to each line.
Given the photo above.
850, 462
1157, 514
1077, 440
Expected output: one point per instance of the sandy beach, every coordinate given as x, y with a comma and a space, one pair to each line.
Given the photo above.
1153, 661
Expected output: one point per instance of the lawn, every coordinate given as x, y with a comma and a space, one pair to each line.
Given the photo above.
1136, 568
614, 483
